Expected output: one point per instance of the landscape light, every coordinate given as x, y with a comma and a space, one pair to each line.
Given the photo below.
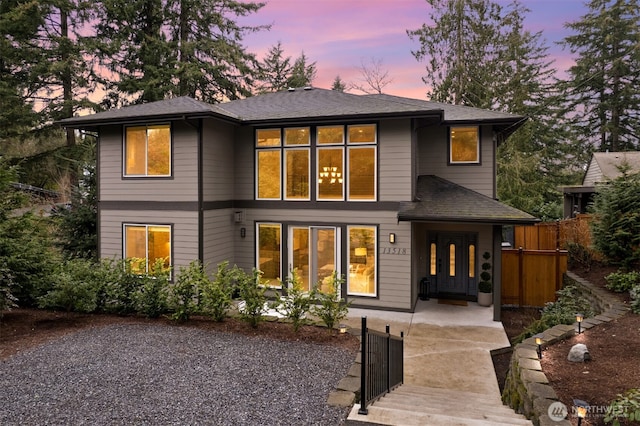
579, 318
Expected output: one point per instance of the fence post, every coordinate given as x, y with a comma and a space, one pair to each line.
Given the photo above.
363, 370
387, 330
520, 277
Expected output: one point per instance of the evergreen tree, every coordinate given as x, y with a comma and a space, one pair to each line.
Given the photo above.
160, 48
302, 75
603, 89
275, 70
338, 84
277, 73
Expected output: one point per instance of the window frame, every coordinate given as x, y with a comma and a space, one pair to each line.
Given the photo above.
125, 225
314, 148
280, 226
376, 260
146, 175
453, 162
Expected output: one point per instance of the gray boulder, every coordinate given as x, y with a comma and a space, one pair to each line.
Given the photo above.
579, 353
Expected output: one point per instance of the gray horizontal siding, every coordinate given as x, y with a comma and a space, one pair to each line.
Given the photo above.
218, 161
185, 232
433, 160
244, 163
395, 161
181, 187
218, 241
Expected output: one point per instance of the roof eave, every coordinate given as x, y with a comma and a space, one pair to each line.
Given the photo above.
342, 117
453, 219
93, 125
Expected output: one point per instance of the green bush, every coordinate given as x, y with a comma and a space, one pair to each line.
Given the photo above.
254, 300
485, 285
122, 281
296, 303
562, 311
330, 307
625, 408
217, 293
635, 299
580, 256
621, 282
616, 225
151, 296
184, 293
76, 286
7, 300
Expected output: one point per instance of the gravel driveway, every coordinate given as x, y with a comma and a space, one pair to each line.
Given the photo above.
162, 375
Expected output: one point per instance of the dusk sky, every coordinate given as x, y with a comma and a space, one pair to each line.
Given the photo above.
339, 35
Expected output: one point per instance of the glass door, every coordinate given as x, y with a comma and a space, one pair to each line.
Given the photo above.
314, 254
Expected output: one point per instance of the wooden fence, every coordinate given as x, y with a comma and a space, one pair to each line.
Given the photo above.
532, 277
554, 235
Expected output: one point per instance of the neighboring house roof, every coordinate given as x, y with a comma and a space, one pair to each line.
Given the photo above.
606, 166
439, 200
296, 105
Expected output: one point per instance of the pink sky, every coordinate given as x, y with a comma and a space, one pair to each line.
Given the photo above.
340, 34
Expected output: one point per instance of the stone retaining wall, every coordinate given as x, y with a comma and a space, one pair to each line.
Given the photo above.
527, 389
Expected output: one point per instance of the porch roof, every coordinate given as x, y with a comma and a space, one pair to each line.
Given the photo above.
439, 200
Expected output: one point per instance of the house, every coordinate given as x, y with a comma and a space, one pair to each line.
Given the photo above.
603, 167
383, 189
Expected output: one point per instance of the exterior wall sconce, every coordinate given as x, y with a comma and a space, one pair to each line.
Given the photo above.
539, 342
392, 238
579, 319
243, 232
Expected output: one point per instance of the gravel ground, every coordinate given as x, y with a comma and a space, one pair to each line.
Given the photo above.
163, 375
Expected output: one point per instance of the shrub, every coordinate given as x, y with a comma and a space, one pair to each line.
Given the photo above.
635, 299
580, 255
7, 300
184, 293
625, 407
616, 225
252, 292
76, 286
296, 304
217, 293
562, 311
151, 296
621, 282
485, 285
122, 281
330, 308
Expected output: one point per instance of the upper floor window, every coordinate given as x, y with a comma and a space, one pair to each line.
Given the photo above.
464, 145
147, 150
345, 163
146, 244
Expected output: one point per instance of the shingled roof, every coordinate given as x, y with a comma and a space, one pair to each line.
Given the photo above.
295, 106
439, 200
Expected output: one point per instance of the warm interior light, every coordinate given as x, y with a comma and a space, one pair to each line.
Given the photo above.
361, 251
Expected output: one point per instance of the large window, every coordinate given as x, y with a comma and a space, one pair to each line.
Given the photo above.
464, 145
147, 150
362, 261
145, 244
345, 163
268, 248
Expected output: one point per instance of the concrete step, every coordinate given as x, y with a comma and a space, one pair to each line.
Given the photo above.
390, 416
409, 405
455, 408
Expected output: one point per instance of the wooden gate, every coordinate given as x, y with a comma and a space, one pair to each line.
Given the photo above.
532, 277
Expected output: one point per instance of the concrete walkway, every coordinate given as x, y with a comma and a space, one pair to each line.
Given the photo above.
449, 376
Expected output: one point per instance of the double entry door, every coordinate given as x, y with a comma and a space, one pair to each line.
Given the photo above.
314, 253
452, 263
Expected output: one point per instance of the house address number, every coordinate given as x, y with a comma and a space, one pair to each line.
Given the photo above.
394, 250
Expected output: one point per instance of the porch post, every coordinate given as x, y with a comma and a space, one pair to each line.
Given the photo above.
497, 268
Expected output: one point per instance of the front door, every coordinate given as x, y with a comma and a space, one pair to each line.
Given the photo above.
452, 263
314, 254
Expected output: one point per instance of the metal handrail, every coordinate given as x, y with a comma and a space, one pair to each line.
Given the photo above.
382, 368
